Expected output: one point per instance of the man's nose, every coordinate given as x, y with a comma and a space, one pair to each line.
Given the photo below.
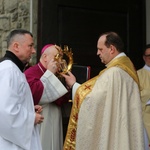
33, 50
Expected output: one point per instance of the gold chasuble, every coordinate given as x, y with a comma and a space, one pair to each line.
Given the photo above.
106, 116
144, 76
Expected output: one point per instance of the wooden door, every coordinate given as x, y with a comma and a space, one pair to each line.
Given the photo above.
78, 23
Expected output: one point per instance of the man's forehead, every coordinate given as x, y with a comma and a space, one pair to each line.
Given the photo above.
53, 51
102, 39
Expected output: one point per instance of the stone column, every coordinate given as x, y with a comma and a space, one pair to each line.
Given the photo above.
16, 14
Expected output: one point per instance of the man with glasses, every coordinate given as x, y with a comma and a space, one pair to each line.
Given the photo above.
144, 78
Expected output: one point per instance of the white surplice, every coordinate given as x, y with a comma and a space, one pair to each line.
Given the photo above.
17, 114
51, 131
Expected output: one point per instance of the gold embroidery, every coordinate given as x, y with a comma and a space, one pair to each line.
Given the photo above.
121, 62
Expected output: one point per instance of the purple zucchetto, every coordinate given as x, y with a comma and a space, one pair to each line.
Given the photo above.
45, 47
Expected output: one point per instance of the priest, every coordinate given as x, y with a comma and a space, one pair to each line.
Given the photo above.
106, 112
46, 89
144, 78
18, 127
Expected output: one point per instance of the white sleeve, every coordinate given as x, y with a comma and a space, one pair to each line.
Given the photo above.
74, 88
53, 88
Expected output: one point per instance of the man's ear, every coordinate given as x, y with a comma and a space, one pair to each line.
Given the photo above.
44, 57
112, 49
16, 46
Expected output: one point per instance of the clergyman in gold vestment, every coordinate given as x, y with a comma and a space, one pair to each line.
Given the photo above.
144, 78
106, 112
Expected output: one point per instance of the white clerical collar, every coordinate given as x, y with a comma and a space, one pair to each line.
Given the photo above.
119, 55
146, 67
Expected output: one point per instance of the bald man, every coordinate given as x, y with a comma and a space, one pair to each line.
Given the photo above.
106, 111
46, 88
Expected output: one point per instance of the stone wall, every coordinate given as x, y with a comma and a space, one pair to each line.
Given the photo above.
17, 14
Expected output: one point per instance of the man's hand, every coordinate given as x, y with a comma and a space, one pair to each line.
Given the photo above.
53, 66
38, 108
69, 78
38, 118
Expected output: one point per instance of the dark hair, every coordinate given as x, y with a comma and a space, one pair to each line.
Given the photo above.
16, 32
145, 48
114, 39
